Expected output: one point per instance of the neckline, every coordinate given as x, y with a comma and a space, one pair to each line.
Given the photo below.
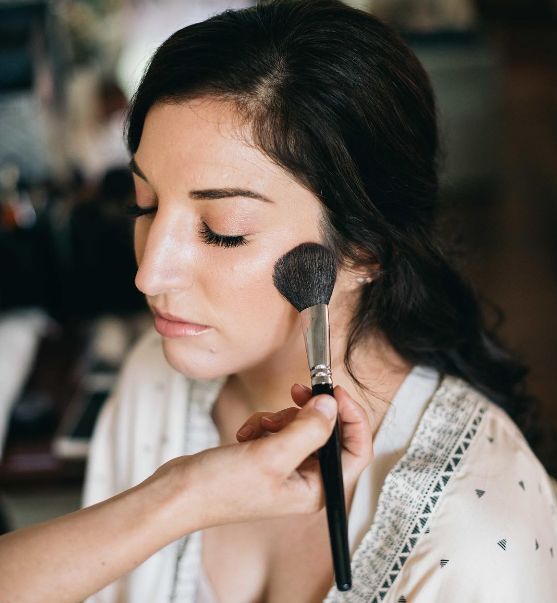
420, 377
204, 394
414, 486
390, 443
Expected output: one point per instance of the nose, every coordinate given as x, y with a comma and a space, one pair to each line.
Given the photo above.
165, 255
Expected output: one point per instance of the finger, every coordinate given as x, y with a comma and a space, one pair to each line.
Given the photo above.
356, 430
309, 430
252, 427
262, 422
300, 394
278, 420
356, 437
356, 434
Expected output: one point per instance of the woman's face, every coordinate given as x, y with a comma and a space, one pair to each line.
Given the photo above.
200, 176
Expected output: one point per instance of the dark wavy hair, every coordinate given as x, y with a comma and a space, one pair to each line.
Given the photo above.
336, 98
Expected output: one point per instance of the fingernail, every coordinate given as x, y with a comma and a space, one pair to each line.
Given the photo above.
326, 405
270, 419
246, 431
308, 389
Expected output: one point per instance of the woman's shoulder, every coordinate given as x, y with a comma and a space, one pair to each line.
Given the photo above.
493, 522
490, 520
491, 467
494, 435
466, 505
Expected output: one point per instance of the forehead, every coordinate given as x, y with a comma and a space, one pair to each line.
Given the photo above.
202, 137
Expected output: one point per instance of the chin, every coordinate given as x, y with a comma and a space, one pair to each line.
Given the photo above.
193, 363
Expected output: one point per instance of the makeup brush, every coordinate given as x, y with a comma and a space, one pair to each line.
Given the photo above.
305, 277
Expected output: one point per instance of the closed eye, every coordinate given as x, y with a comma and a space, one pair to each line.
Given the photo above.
212, 238
209, 236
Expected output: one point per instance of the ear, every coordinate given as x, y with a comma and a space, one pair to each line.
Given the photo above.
355, 276
363, 270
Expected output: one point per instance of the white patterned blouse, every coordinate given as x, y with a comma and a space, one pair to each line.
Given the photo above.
455, 506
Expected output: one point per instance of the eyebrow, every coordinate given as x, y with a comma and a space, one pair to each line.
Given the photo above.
208, 193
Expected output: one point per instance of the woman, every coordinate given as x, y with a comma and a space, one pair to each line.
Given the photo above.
251, 133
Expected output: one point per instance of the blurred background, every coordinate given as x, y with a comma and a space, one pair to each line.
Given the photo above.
69, 310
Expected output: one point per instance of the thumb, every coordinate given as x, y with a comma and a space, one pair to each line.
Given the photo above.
304, 435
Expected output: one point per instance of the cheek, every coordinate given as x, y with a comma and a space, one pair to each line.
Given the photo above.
245, 283
254, 309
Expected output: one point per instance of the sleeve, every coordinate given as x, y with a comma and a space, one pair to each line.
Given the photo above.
109, 466
100, 484
100, 478
493, 536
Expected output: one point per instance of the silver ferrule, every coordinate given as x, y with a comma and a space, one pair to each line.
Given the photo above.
315, 326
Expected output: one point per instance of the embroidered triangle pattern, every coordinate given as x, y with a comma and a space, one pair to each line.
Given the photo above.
402, 599
480, 493
521, 484
424, 516
503, 544
537, 544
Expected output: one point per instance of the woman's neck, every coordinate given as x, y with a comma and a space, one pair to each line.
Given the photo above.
266, 387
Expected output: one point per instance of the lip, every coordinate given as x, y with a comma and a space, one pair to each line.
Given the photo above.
171, 326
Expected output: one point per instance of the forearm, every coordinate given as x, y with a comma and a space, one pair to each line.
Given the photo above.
71, 557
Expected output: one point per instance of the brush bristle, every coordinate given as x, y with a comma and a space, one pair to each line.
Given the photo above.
306, 275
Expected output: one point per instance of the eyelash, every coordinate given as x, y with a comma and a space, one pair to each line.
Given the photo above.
210, 237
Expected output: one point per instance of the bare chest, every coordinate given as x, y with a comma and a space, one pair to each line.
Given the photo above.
272, 561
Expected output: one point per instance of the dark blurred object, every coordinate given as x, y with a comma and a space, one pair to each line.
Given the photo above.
103, 262
73, 373
72, 441
109, 341
4, 526
464, 70
423, 17
33, 415
22, 267
523, 12
75, 258
52, 383
508, 233
33, 71
20, 24
98, 127
111, 98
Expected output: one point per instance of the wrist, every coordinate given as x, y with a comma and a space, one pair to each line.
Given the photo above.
172, 501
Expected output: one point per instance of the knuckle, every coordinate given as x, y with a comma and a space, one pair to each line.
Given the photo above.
316, 429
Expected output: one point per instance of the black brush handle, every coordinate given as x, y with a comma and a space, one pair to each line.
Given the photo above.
331, 471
